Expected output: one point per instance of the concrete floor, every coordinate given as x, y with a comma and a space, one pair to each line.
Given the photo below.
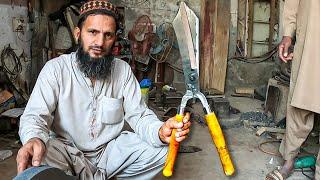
250, 162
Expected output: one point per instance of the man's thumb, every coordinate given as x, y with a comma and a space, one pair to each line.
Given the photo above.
285, 52
35, 162
37, 156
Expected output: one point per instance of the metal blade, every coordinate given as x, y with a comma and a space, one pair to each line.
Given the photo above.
186, 26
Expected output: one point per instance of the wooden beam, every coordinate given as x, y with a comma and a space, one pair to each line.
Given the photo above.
250, 27
221, 45
208, 13
215, 23
272, 22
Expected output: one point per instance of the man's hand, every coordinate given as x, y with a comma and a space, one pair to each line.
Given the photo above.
30, 154
284, 49
182, 129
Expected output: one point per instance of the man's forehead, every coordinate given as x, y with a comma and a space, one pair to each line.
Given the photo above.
100, 20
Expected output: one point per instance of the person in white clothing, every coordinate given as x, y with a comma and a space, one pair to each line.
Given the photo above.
74, 118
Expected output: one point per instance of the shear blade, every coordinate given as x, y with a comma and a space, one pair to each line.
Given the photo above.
186, 26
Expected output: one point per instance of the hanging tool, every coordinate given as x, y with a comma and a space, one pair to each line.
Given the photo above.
186, 26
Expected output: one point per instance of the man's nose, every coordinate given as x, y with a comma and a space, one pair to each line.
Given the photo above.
99, 40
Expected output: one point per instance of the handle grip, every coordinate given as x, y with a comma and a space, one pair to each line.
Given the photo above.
173, 151
219, 141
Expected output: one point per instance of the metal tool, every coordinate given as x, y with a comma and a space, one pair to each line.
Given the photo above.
186, 26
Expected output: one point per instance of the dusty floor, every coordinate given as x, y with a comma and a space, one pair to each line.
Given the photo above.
250, 162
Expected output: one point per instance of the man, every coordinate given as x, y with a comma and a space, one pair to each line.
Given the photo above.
300, 18
84, 98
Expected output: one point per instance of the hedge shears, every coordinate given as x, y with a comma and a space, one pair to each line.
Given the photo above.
186, 27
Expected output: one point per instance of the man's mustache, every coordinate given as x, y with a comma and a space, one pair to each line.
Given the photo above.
97, 48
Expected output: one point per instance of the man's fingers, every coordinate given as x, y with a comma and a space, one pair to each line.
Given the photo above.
21, 167
185, 126
174, 124
181, 127
281, 46
22, 160
180, 139
290, 56
30, 154
38, 152
285, 50
283, 53
167, 131
186, 118
182, 133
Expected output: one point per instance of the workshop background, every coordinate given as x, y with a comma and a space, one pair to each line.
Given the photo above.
240, 73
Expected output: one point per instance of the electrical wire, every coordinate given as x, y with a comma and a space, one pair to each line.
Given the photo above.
257, 59
175, 68
164, 55
12, 72
268, 152
302, 171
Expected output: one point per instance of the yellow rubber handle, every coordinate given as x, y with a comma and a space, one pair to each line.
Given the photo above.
219, 141
173, 151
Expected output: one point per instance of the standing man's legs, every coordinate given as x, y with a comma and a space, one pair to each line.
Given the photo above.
299, 124
129, 157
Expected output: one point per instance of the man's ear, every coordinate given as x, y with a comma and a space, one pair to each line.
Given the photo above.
76, 33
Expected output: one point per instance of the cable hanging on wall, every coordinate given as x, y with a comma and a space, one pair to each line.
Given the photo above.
9, 56
258, 59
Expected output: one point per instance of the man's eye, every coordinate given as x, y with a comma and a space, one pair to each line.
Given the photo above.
93, 32
109, 34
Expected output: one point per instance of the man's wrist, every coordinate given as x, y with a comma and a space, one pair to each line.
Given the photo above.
37, 139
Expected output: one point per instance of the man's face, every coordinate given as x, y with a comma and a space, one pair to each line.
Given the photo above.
97, 35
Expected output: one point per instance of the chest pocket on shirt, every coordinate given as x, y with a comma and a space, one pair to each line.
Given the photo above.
111, 110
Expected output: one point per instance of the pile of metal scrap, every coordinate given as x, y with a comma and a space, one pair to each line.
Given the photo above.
263, 124
256, 119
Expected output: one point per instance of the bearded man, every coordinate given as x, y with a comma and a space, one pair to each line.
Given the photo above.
83, 100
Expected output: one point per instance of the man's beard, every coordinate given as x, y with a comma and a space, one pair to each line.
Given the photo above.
97, 68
